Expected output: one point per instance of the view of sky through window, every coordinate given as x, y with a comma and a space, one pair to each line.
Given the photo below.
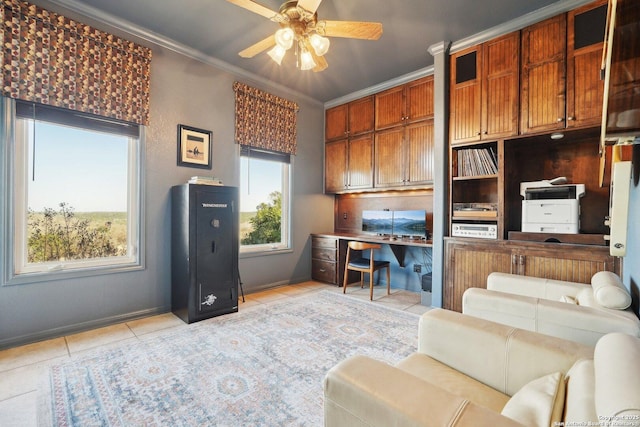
87, 170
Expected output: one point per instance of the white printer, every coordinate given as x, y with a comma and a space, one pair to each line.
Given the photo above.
551, 206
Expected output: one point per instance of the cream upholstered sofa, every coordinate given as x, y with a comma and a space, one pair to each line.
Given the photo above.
573, 311
474, 372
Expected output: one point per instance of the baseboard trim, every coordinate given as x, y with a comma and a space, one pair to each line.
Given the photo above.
80, 327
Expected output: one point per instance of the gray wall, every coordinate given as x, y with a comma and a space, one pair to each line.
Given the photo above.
631, 266
183, 91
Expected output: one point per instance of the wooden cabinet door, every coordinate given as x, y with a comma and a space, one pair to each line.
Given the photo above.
390, 157
419, 153
500, 86
543, 82
465, 108
467, 265
389, 108
336, 122
585, 41
335, 166
360, 162
572, 263
361, 116
419, 100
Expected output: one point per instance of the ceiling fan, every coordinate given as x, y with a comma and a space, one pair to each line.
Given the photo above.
301, 29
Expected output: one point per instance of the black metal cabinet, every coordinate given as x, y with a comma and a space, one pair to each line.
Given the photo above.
204, 251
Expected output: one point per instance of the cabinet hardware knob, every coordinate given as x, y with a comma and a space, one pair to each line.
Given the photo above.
322, 270
560, 119
571, 118
478, 133
485, 132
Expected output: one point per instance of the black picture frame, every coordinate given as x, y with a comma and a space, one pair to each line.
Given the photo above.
194, 147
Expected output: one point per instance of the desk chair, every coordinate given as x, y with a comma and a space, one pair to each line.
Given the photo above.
364, 265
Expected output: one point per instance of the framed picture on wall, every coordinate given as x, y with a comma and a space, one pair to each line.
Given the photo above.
194, 147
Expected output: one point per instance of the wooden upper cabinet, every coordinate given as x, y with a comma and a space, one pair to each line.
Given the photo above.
404, 155
336, 122
419, 99
348, 164
360, 162
361, 116
465, 107
500, 86
585, 41
404, 104
390, 157
419, 148
543, 81
485, 90
346, 120
335, 166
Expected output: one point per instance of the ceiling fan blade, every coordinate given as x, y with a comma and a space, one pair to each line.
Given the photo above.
255, 8
321, 63
352, 29
309, 5
261, 46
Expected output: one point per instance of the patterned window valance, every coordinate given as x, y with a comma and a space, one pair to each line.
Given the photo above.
264, 120
53, 60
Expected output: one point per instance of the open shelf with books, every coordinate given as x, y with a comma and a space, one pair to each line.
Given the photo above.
475, 183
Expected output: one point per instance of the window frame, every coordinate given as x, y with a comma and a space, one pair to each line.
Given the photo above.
286, 160
12, 188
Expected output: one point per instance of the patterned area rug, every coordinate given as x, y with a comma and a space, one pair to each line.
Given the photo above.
260, 367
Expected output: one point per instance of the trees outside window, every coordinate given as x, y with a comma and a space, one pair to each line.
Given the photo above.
264, 202
75, 202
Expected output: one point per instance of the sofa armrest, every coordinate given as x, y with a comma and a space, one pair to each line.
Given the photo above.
533, 286
361, 391
500, 356
568, 321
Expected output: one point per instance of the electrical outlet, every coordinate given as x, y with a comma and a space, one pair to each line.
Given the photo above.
417, 268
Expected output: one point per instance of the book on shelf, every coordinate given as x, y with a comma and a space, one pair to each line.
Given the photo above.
477, 162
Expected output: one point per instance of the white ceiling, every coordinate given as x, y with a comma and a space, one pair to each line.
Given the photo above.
218, 29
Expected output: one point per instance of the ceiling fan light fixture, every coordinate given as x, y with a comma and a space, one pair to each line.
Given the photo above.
277, 53
284, 38
306, 60
320, 44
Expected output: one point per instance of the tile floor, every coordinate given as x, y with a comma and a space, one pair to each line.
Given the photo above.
22, 368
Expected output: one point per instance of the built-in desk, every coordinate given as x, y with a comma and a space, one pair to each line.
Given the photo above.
328, 252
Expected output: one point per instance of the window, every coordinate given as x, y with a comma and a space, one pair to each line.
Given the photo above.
75, 195
264, 201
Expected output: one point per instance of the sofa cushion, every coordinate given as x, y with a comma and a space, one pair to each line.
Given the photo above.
609, 291
580, 404
437, 373
539, 403
617, 379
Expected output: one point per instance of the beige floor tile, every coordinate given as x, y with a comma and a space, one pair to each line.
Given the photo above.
248, 303
155, 323
98, 337
293, 290
25, 379
19, 411
32, 353
266, 296
418, 309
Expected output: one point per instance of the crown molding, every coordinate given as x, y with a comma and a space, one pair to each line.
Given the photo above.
405, 78
438, 48
518, 23
167, 43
